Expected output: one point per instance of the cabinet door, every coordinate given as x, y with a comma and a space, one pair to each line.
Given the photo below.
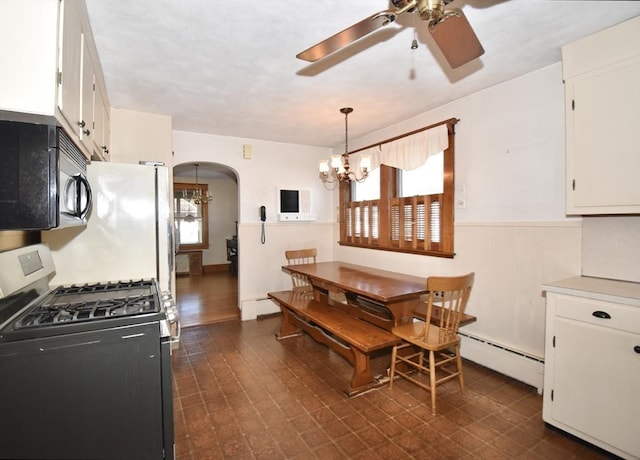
596, 382
70, 66
87, 99
29, 63
603, 160
100, 134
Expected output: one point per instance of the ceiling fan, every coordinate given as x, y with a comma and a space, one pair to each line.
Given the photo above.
449, 28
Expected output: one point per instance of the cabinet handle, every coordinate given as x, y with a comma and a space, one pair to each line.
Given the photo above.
636, 348
81, 123
86, 132
601, 314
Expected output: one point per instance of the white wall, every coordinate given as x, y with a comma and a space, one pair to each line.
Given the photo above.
139, 136
611, 247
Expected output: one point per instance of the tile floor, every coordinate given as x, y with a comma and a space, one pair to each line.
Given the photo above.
241, 394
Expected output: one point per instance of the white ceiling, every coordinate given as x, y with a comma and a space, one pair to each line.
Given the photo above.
229, 68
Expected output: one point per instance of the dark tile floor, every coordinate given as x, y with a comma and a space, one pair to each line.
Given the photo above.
241, 394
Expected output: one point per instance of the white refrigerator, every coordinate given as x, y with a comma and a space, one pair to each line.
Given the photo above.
129, 233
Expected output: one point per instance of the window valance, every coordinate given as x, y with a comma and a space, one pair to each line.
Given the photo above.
407, 152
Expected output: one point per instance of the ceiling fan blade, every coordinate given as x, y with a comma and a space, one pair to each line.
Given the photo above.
347, 36
457, 40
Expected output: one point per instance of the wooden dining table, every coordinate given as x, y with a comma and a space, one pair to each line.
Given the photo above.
369, 290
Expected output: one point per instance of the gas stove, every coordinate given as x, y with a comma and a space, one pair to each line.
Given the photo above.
73, 309
32, 310
104, 348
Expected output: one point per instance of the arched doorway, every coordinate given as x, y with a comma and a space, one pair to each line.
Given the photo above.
206, 283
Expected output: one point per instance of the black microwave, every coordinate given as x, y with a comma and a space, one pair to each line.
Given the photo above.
43, 178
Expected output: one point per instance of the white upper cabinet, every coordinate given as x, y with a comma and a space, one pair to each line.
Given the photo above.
50, 70
28, 57
601, 74
86, 121
101, 126
70, 66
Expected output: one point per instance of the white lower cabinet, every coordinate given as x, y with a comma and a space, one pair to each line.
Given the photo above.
592, 371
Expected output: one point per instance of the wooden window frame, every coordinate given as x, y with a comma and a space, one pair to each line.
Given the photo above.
179, 187
402, 235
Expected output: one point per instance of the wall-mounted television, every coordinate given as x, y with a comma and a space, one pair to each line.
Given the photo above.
294, 205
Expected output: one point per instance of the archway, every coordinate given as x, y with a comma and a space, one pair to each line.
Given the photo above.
206, 284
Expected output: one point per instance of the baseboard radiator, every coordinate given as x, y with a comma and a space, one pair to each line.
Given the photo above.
252, 309
519, 365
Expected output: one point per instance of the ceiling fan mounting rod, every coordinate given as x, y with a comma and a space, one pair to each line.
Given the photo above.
391, 16
434, 12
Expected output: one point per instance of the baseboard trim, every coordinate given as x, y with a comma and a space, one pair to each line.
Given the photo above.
217, 268
519, 365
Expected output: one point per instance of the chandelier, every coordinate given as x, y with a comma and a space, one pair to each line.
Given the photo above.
196, 196
338, 168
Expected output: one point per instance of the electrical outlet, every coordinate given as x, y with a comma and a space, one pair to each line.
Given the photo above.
460, 197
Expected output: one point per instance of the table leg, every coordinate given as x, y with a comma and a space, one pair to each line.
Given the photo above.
403, 311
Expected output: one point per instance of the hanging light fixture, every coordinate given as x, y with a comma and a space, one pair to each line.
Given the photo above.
338, 169
197, 197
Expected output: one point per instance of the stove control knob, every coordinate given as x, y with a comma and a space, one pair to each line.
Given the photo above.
168, 304
172, 316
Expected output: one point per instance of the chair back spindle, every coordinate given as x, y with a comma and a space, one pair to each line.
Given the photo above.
297, 257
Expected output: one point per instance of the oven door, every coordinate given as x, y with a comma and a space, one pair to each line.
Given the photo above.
95, 394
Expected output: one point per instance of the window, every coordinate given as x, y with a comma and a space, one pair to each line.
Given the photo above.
369, 189
404, 211
191, 219
428, 179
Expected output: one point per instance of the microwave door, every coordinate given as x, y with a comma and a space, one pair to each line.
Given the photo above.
75, 199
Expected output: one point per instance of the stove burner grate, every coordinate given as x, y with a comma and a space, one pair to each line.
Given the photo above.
59, 313
103, 287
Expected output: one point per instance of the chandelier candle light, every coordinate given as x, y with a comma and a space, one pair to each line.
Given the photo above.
197, 197
338, 170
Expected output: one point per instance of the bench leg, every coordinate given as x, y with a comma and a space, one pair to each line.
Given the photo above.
362, 376
288, 328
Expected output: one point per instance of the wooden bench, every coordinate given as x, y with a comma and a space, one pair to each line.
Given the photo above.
347, 335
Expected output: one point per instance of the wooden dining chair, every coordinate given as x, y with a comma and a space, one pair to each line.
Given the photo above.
301, 256
432, 347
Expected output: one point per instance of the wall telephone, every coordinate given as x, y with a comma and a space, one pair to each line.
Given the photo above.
263, 217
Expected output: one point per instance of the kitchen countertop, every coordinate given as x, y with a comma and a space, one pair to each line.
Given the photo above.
623, 292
